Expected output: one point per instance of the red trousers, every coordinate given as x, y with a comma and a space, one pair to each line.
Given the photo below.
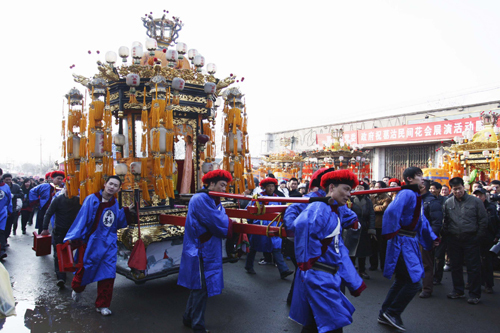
104, 289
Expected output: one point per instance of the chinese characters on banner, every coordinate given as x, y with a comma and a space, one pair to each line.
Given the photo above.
416, 132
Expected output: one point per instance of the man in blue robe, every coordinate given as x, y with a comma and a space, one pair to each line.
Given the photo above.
404, 226
95, 226
201, 262
45, 192
324, 264
260, 243
5, 211
348, 218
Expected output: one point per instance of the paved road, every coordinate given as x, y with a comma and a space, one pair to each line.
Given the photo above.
248, 304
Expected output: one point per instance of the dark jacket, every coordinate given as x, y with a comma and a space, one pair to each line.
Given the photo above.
294, 193
17, 193
433, 211
465, 217
493, 230
65, 210
358, 242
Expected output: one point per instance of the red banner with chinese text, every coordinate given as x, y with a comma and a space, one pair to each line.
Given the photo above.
415, 132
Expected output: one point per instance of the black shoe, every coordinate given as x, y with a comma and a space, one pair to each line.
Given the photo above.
61, 283
24, 232
186, 322
425, 294
4, 255
395, 321
381, 320
250, 271
455, 295
473, 301
364, 276
14, 232
285, 274
488, 290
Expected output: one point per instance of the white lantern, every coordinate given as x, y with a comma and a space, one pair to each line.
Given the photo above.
178, 84
341, 158
119, 139
135, 168
496, 130
211, 68
239, 138
199, 62
76, 146
218, 102
210, 88
99, 144
133, 80
121, 169
137, 53
486, 153
171, 56
123, 52
163, 137
110, 57
151, 45
207, 167
136, 43
358, 158
192, 53
466, 154
181, 49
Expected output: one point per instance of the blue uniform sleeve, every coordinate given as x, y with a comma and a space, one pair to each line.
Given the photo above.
348, 218
84, 220
122, 219
348, 272
34, 193
391, 221
308, 236
291, 213
209, 216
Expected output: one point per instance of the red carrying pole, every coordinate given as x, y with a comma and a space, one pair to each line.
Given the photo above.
295, 200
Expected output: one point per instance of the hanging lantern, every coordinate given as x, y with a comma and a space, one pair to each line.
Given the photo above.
172, 57
178, 84
99, 143
181, 50
207, 167
199, 62
137, 54
211, 68
121, 169
123, 52
192, 53
110, 58
151, 46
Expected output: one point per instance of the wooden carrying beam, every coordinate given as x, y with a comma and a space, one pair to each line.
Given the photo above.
242, 228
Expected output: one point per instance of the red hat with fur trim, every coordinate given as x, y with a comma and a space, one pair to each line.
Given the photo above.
267, 181
48, 175
339, 177
394, 180
316, 177
216, 175
55, 174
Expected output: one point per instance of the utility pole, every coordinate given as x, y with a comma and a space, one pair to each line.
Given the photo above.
41, 171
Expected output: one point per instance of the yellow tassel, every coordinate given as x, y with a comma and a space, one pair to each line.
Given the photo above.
144, 167
145, 192
83, 193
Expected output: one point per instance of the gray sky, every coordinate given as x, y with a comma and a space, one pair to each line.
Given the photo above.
305, 63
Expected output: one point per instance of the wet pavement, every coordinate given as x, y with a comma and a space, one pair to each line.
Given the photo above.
249, 303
